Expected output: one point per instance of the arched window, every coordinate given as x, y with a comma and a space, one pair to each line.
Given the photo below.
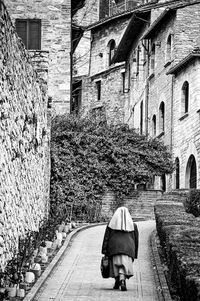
154, 125
162, 117
191, 173
177, 175
163, 183
152, 58
169, 48
185, 98
111, 51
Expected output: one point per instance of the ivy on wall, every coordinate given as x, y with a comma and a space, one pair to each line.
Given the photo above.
88, 157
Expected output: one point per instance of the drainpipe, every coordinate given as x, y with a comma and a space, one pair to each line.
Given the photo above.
172, 112
71, 62
147, 104
172, 123
147, 92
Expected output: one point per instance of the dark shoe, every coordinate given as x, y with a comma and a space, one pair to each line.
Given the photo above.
116, 286
123, 285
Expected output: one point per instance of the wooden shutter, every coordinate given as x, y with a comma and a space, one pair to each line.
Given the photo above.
34, 34
21, 28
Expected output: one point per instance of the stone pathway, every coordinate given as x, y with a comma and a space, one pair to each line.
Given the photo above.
77, 275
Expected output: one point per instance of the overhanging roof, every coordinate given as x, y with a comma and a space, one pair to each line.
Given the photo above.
173, 5
76, 5
77, 33
184, 62
156, 25
132, 30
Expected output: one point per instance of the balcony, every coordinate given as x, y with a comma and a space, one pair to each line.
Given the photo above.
119, 6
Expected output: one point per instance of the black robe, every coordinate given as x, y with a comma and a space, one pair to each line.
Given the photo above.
117, 242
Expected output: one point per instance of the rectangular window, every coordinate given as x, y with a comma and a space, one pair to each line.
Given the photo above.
98, 85
126, 79
138, 60
29, 31
141, 118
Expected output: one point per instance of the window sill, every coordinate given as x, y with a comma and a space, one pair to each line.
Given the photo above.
151, 76
167, 64
161, 134
184, 116
126, 90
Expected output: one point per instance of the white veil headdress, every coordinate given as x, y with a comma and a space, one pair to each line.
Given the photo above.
121, 220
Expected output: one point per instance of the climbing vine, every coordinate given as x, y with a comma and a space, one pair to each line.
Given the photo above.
88, 157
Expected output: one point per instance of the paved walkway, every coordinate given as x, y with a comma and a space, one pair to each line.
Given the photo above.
77, 275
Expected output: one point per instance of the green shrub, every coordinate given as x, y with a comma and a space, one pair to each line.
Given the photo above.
192, 203
179, 235
89, 157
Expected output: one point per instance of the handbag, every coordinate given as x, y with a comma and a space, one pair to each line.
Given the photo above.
105, 268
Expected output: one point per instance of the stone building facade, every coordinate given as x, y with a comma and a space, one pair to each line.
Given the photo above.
24, 139
186, 133
133, 81
54, 36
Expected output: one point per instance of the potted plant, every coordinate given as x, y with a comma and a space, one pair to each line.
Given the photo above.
3, 284
14, 275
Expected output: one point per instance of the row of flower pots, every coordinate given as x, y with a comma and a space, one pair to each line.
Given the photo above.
37, 263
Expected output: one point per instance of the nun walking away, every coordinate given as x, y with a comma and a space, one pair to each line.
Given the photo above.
120, 245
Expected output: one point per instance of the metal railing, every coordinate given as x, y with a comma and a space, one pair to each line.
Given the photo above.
115, 8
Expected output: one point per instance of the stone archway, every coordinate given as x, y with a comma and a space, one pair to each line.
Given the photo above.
191, 173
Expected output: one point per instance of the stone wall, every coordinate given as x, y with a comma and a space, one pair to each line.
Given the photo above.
186, 132
24, 136
100, 39
112, 95
186, 31
55, 18
140, 204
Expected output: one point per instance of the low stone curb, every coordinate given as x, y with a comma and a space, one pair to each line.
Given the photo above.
31, 294
160, 279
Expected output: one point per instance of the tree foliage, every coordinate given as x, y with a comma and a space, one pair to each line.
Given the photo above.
89, 157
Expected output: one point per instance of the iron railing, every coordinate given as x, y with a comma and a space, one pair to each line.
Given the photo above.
116, 7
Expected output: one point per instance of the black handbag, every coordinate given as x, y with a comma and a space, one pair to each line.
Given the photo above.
105, 267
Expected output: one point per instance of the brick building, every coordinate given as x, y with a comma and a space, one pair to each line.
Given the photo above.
144, 71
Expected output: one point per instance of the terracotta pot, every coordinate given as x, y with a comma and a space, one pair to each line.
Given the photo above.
48, 244
64, 235
23, 285
66, 229
59, 235
35, 252
54, 244
12, 291
73, 225
59, 242
36, 269
42, 250
20, 293
44, 258
29, 277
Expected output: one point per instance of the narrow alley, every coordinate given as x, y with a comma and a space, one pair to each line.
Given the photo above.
77, 275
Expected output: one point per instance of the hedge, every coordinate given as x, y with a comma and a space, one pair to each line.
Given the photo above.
179, 235
192, 203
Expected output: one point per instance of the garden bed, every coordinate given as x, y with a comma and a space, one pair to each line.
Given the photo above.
179, 235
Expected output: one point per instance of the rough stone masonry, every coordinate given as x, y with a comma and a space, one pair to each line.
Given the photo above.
24, 140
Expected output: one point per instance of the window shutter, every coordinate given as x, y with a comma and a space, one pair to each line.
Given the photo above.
21, 28
34, 41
